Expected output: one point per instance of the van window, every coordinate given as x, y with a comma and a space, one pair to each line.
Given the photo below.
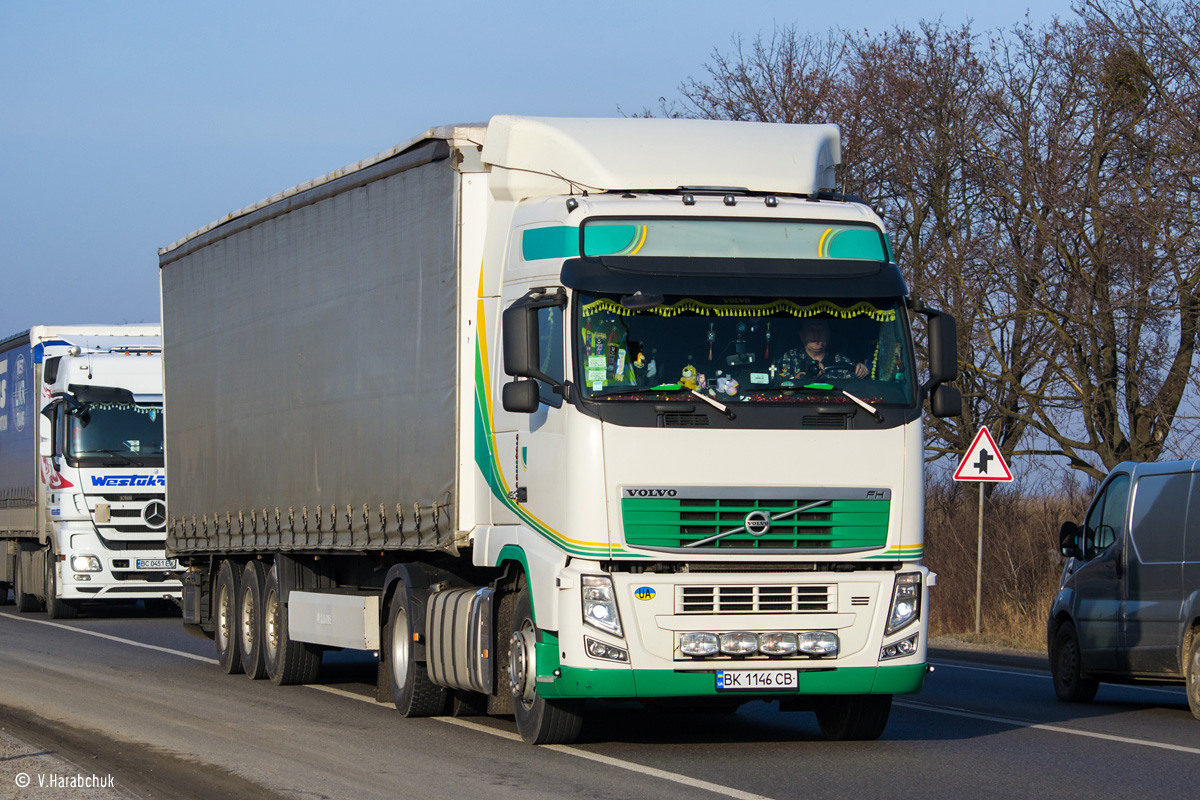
1106, 518
1159, 511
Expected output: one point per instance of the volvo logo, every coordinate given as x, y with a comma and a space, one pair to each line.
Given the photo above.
155, 514
757, 523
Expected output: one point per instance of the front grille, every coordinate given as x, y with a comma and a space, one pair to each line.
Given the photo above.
125, 520
673, 522
685, 420
784, 599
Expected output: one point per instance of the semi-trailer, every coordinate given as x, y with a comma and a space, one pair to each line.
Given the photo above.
82, 481
548, 411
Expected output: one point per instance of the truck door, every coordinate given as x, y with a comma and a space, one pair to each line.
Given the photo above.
1154, 575
1098, 584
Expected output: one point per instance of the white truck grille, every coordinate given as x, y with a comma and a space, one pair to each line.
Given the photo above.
787, 599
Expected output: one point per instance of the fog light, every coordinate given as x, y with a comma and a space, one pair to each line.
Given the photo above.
82, 577
699, 644
819, 643
904, 647
604, 651
777, 644
741, 643
85, 564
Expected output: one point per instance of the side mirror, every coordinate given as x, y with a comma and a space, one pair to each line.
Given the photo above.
522, 349
1068, 540
946, 401
520, 397
943, 348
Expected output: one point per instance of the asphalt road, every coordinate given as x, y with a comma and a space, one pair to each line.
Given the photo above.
136, 698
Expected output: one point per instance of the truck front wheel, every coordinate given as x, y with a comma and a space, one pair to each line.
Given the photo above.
414, 694
539, 721
56, 607
854, 717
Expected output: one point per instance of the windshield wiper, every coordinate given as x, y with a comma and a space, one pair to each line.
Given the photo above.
116, 454
829, 387
662, 387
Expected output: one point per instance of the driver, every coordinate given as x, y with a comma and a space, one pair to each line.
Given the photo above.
814, 359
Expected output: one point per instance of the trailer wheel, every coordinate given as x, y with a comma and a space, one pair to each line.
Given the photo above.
414, 694
1192, 672
1071, 684
225, 617
25, 601
288, 663
854, 717
56, 607
250, 624
539, 721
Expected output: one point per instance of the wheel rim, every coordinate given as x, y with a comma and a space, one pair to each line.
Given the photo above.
1067, 662
223, 618
522, 663
1194, 675
248, 619
400, 654
271, 624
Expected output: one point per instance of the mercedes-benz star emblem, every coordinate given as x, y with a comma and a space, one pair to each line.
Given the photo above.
758, 522
155, 514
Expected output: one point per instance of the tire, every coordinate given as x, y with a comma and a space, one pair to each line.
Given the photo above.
854, 718
226, 593
288, 663
539, 721
250, 629
465, 703
25, 602
56, 607
1071, 683
1191, 672
4, 587
414, 694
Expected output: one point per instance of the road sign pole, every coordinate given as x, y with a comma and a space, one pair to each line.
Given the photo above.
979, 569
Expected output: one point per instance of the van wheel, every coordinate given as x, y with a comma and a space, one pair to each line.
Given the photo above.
539, 721
854, 718
250, 625
1193, 674
1071, 683
56, 607
225, 617
414, 694
288, 662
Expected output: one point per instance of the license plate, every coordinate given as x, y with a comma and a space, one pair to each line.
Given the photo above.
157, 563
760, 680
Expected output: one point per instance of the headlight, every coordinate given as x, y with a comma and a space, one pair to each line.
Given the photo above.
604, 651
600, 604
900, 649
85, 564
906, 602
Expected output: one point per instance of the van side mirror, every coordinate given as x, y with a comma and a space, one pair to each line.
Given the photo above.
946, 401
1068, 540
520, 397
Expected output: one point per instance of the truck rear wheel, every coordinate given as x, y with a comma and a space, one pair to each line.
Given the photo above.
250, 626
56, 607
25, 601
225, 617
414, 694
854, 717
288, 663
1071, 684
1192, 673
539, 721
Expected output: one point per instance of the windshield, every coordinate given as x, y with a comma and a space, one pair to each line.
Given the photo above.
117, 433
744, 350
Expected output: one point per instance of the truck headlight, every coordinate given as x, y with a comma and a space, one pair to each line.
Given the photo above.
600, 604
906, 602
777, 644
819, 643
699, 644
85, 564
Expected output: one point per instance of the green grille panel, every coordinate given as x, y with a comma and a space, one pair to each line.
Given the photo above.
672, 522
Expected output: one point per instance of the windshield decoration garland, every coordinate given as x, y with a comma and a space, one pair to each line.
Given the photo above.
862, 309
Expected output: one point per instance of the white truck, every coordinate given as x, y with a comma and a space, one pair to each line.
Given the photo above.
547, 411
82, 480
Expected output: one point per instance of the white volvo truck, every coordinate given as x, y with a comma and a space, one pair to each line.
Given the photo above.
82, 480
549, 411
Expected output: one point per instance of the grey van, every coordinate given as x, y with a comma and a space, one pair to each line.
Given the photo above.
1128, 604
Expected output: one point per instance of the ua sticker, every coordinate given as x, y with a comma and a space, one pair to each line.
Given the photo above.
644, 593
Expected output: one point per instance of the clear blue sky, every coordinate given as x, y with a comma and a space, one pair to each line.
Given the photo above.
126, 125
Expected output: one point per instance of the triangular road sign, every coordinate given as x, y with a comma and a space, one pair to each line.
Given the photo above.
983, 461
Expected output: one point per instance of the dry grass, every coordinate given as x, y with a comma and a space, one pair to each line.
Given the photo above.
1021, 563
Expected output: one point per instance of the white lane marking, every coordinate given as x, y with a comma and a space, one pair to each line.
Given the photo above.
111, 638
673, 777
1046, 676
1043, 726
